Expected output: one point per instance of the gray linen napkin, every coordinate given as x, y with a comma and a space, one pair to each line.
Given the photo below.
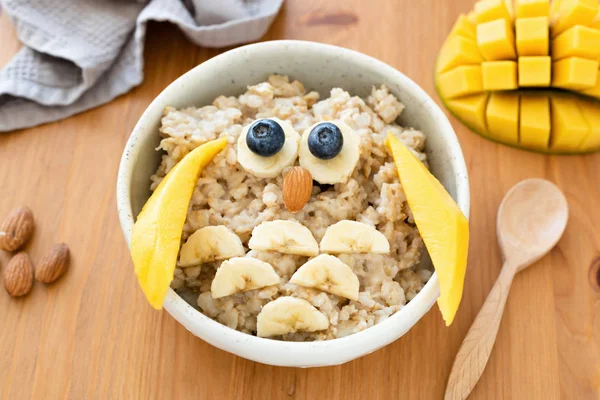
78, 54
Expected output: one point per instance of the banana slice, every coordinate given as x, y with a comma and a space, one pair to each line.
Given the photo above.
289, 314
269, 167
289, 237
209, 244
240, 274
354, 237
329, 274
339, 168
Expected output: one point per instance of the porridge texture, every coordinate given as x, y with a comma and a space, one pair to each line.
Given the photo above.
226, 194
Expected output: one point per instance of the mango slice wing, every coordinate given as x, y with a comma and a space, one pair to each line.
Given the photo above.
156, 235
441, 223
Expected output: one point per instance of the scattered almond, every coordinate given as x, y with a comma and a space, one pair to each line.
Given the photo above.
18, 275
53, 265
297, 188
16, 229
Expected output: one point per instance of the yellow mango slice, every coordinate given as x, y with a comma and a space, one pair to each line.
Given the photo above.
496, 40
460, 81
471, 110
463, 27
489, 10
574, 73
534, 122
502, 115
595, 91
499, 75
573, 12
442, 225
591, 113
458, 51
532, 36
569, 127
156, 234
535, 71
532, 8
578, 41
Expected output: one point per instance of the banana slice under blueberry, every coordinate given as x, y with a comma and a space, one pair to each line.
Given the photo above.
329, 151
267, 146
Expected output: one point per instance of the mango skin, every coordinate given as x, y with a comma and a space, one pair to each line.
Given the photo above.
441, 223
156, 235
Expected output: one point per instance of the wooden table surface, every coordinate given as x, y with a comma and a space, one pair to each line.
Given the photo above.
93, 336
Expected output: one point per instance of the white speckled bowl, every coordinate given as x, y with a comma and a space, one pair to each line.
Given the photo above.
320, 67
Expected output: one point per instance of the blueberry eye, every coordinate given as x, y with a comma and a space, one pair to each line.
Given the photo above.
325, 141
265, 137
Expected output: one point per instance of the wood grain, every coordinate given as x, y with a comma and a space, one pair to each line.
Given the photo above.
93, 336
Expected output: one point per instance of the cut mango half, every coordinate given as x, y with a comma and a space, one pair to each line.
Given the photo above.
527, 59
441, 223
156, 234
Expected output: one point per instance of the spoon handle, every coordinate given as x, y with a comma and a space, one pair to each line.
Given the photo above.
477, 346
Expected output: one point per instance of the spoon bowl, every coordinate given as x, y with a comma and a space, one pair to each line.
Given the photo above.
531, 220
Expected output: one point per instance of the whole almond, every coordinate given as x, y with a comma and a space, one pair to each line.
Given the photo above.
16, 229
297, 188
53, 265
18, 275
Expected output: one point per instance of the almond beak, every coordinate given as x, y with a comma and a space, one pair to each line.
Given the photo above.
297, 188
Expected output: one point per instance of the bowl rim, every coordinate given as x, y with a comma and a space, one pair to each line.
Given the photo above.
275, 352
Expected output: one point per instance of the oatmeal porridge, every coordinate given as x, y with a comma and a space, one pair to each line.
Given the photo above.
237, 214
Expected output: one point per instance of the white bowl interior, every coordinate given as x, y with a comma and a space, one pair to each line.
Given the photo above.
319, 67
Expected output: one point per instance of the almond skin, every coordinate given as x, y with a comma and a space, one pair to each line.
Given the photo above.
54, 264
297, 188
16, 229
18, 275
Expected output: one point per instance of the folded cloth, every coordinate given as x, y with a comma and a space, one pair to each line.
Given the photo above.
79, 54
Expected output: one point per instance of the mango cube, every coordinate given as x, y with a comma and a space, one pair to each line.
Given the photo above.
510, 7
578, 41
574, 73
534, 124
595, 91
596, 22
532, 8
535, 71
502, 116
499, 75
569, 127
489, 10
471, 110
460, 81
463, 27
532, 36
458, 51
591, 114
496, 40
573, 12
554, 7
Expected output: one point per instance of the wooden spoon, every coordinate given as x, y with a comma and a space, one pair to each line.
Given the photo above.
531, 220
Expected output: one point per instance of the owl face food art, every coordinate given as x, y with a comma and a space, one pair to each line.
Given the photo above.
345, 261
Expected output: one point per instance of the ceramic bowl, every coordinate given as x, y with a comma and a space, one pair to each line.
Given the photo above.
320, 67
